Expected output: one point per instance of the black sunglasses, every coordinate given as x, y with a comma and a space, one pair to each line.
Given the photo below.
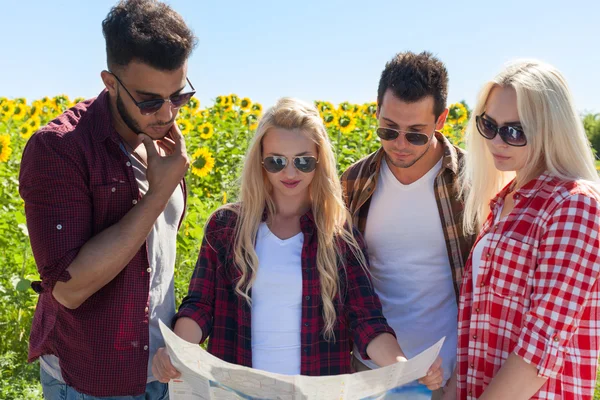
275, 164
414, 138
150, 107
511, 135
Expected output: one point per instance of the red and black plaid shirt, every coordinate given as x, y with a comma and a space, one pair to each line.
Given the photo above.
76, 181
537, 293
220, 313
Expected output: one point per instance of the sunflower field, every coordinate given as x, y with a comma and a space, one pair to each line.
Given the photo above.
216, 137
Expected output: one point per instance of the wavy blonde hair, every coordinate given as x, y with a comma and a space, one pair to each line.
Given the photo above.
556, 139
332, 219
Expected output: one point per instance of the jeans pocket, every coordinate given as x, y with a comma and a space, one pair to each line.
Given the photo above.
53, 389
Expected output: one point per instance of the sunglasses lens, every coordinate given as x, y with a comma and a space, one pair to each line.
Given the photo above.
513, 136
387, 134
274, 164
305, 164
181, 99
486, 128
417, 139
150, 107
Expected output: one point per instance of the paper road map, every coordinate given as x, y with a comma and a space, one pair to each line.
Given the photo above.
206, 377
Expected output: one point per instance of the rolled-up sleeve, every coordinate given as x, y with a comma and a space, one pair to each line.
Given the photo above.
200, 301
362, 306
565, 280
58, 204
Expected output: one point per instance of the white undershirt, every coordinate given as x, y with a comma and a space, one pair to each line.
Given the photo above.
410, 267
477, 257
277, 303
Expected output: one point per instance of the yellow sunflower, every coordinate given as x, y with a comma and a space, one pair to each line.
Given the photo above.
20, 111
245, 104
251, 120
345, 106
26, 131
219, 100
34, 122
235, 100
36, 109
61, 102
6, 110
20, 100
185, 126
257, 107
5, 149
202, 162
328, 119
346, 122
369, 135
206, 130
457, 114
370, 109
224, 197
193, 104
78, 100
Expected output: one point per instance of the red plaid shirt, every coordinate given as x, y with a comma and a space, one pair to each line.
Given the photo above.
537, 292
76, 181
220, 313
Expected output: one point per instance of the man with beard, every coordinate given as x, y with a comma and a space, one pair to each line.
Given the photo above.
104, 198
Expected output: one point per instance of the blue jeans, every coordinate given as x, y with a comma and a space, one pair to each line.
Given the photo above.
57, 390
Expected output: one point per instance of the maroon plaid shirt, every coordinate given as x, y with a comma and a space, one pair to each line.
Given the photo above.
76, 181
220, 313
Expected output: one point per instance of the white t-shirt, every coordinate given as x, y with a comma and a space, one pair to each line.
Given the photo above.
410, 267
476, 259
277, 303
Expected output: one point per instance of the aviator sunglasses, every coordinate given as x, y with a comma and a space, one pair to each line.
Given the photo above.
511, 135
275, 164
414, 138
150, 107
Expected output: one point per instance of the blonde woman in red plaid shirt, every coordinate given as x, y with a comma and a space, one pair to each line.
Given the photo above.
529, 304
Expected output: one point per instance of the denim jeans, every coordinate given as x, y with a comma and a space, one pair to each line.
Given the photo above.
57, 390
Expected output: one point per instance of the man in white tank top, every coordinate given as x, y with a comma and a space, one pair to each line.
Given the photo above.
404, 199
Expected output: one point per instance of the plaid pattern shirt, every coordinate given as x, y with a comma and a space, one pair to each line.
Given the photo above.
226, 317
536, 293
359, 183
76, 181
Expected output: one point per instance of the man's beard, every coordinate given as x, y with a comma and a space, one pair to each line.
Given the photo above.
126, 117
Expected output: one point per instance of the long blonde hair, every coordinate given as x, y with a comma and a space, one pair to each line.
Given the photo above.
556, 139
333, 221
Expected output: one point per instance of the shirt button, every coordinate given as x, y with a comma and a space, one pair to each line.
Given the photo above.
556, 338
306, 324
134, 201
146, 347
149, 270
59, 227
146, 309
306, 349
474, 336
488, 255
482, 284
477, 310
113, 189
128, 164
470, 393
307, 298
472, 365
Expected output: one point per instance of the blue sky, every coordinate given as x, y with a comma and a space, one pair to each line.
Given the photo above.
327, 50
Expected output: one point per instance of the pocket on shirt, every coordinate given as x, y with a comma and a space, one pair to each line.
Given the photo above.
512, 263
111, 202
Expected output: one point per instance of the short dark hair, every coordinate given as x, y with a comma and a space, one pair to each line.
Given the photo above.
412, 77
147, 31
